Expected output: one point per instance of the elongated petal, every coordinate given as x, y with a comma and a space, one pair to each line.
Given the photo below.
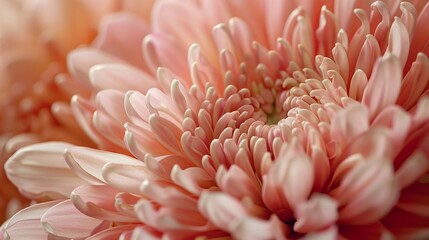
120, 34
64, 220
316, 214
384, 84
121, 77
98, 202
88, 163
125, 177
26, 223
80, 61
41, 170
113, 233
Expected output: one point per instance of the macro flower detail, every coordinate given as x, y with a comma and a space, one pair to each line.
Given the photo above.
243, 120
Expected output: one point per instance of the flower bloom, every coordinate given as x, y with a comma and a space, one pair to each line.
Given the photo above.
266, 120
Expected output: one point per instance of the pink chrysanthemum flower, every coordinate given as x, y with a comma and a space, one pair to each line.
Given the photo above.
267, 120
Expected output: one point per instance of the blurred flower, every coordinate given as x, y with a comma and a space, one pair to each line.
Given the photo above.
267, 120
35, 38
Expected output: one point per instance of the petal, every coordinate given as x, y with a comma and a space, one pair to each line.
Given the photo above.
257, 229
316, 214
99, 202
64, 220
289, 167
412, 169
349, 123
125, 177
399, 41
26, 223
221, 209
120, 35
113, 233
121, 77
384, 84
238, 184
40, 170
367, 193
193, 179
81, 60
88, 163
111, 102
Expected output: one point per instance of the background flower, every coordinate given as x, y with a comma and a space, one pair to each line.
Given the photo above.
319, 127
35, 37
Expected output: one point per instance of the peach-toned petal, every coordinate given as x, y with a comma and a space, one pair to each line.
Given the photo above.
124, 177
64, 221
213, 206
98, 202
80, 61
384, 84
413, 168
316, 214
39, 170
349, 124
399, 41
113, 233
120, 77
88, 163
26, 223
120, 35
354, 191
195, 180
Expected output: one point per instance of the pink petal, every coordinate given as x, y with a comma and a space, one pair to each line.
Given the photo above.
80, 61
121, 77
318, 213
193, 179
276, 12
64, 220
238, 184
357, 85
412, 169
26, 230
99, 202
88, 163
125, 177
221, 209
257, 229
384, 84
141, 141
184, 31
166, 133
113, 233
83, 111
399, 41
367, 193
368, 55
111, 102
120, 35
40, 170
26, 223
288, 169
349, 123
398, 122
161, 51
415, 82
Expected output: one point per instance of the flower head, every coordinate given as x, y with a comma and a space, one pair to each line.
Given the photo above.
247, 120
